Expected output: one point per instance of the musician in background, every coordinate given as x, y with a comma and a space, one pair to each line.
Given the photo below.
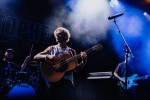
119, 73
61, 89
8, 70
7, 61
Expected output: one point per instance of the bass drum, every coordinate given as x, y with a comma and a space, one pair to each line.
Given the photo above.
22, 91
22, 76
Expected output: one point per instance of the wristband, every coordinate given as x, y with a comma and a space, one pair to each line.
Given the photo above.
46, 57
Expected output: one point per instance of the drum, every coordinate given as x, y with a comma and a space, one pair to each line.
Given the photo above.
9, 73
21, 91
22, 76
8, 77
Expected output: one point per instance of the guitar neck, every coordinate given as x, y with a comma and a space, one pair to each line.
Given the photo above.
78, 55
139, 78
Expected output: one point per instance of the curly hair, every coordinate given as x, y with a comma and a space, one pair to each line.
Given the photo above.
64, 30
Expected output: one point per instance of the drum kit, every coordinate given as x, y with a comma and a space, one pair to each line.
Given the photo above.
20, 85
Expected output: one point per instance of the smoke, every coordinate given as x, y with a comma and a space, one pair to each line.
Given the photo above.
88, 20
3, 2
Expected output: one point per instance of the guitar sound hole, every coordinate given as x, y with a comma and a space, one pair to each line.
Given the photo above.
63, 67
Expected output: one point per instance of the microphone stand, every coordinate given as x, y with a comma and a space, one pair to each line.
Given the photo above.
127, 52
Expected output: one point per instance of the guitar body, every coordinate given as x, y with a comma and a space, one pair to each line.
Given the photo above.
52, 75
130, 81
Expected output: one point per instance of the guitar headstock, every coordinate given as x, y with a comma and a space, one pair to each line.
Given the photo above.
146, 76
97, 47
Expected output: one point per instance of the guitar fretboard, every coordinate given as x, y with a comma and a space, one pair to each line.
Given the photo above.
78, 55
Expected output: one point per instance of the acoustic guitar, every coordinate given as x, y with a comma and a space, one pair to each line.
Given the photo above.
54, 71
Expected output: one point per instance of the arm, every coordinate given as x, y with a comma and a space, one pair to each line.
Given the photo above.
41, 55
23, 66
44, 56
83, 62
116, 74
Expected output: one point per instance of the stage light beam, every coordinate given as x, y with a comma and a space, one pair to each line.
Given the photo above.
114, 3
147, 15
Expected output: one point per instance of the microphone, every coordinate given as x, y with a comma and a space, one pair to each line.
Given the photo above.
115, 16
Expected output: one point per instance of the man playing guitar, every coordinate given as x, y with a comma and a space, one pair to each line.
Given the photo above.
127, 92
119, 73
57, 67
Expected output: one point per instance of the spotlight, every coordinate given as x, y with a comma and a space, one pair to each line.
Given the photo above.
113, 3
147, 15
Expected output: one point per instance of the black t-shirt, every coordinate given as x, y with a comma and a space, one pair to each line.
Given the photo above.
121, 70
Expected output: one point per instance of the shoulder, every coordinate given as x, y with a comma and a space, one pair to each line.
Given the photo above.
15, 66
122, 63
72, 50
51, 47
